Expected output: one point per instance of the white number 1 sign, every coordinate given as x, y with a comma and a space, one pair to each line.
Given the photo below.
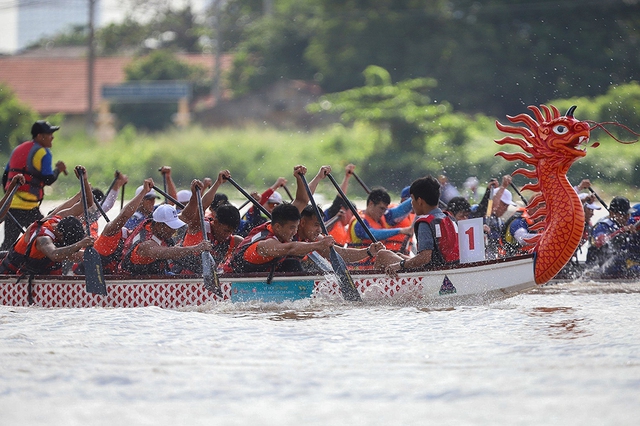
471, 240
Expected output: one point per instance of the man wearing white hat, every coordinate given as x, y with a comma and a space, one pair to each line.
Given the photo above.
148, 251
502, 199
145, 209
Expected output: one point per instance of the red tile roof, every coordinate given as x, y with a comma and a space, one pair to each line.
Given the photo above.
59, 84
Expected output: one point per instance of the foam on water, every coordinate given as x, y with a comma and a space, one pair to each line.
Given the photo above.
566, 354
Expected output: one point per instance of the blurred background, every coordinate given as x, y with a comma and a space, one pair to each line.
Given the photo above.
399, 88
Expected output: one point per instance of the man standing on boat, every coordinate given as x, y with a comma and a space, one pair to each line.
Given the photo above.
32, 159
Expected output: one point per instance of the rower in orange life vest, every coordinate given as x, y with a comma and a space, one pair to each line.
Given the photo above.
50, 241
110, 243
220, 228
310, 230
150, 248
32, 159
381, 221
436, 233
338, 216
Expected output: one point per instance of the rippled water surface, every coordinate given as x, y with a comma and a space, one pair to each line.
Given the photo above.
566, 354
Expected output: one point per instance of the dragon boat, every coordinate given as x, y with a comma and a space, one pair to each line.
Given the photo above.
551, 143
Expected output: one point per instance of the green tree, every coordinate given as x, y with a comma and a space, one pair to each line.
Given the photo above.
16, 120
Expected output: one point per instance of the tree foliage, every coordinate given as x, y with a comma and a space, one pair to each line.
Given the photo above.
15, 120
492, 57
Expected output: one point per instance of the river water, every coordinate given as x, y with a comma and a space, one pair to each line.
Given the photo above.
563, 354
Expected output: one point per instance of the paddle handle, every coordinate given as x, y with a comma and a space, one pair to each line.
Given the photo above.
205, 237
113, 183
353, 210
83, 194
598, 197
249, 197
314, 205
7, 204
364, 186
515, 188
287, 191
169, 197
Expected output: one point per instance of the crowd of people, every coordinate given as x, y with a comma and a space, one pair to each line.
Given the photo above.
150, 236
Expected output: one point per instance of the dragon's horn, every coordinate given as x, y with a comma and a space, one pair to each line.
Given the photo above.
571, 111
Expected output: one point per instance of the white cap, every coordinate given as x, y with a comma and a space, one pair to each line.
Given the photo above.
275, 198
471, 182
183, 196
167, 214
150, 194
506, 197
583, 196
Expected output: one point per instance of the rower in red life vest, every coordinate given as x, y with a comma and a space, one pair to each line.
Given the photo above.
436, 233
220, 228
150, 248
381, 221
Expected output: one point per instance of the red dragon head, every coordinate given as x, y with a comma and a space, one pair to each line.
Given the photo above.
551, 143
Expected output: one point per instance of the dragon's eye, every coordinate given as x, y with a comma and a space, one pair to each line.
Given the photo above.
560, 129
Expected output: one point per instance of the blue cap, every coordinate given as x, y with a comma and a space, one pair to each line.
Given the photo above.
405, 193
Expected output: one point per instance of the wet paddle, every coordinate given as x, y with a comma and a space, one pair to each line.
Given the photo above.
364, 186
353, 209
93, 274
598, 197
347, 286
169, 197
122, 197
249, 197
524, 200
209, 273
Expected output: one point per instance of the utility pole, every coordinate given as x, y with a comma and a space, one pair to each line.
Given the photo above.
90, 68
217, 45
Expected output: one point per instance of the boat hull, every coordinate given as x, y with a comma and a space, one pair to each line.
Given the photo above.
474, 283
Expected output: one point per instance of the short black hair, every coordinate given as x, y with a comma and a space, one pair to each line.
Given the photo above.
98, 195
71, 229
228, 215
427, 188
457, 205
218, 200
308, 212
285, 213
379, 195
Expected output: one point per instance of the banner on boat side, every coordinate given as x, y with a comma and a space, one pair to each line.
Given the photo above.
471, 240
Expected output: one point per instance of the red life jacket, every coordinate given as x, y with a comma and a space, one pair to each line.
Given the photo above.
140, 234
24, 256
18, 163
445, 233
238, 263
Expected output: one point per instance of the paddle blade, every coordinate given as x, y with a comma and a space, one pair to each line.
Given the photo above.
347, 286
93, 275
209, 274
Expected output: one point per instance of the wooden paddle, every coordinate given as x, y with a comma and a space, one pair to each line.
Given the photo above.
599, 199
347, 286
93, 274
249, 198
169, 197
524, 200
353, 209
209, 273
364, 186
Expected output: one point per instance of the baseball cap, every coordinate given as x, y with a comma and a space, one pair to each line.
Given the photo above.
506, 197
275, 198
583, 197
183, 196
42, 126
620, 205
168, 215
405, 192
150, 194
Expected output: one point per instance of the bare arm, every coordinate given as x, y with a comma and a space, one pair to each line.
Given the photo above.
348, 172
129, 209
171, 187
275, 248
153, 250
302, 199
190, 213
58, 254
